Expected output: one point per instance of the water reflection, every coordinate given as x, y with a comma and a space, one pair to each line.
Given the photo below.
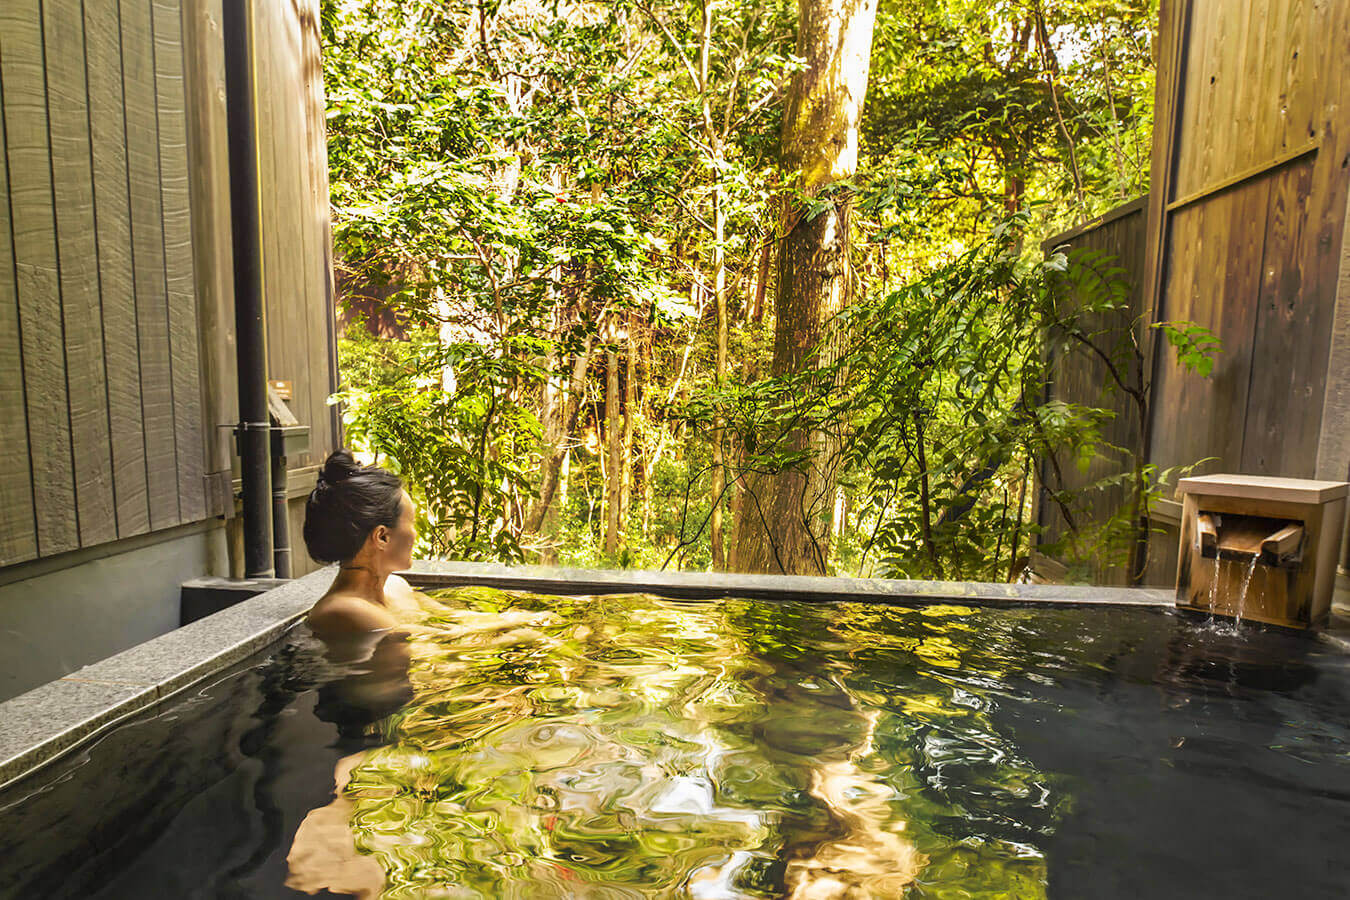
631, 747
515, 746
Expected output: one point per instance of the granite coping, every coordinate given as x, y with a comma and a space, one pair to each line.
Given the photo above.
44, 723
48, 721
808, 588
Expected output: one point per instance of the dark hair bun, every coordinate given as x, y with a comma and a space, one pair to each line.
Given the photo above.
339, 466
346, 505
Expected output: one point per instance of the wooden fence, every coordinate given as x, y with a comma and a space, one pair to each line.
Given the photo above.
1080, 377
1245, 235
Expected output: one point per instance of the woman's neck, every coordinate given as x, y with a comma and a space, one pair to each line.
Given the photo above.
362, 580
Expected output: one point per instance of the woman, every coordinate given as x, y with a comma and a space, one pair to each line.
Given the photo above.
360, 518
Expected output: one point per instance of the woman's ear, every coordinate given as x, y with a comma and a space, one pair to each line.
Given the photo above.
381, 535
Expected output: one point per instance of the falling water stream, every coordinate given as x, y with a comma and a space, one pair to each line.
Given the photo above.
1246, 583
1213, 589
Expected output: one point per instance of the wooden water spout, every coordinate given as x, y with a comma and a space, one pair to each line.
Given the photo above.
1282, 547
1260, 548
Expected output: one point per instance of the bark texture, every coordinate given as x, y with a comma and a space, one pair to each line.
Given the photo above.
783, 524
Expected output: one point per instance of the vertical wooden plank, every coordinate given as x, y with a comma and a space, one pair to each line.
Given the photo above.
1333, 452
174, 198
270, 220
1214, 273
1240, 116
1174, 18
1295, 94
112, 216
147, 241
1213, 105
1265, 99
208, 153
326, 421
33, 221
1280, 435
1323, 245
1251, 143
77, 253
283, 243
297, 239
1196, 100
18, 528
313, 207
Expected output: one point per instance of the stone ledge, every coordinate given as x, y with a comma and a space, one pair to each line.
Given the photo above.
710, 585
50, 720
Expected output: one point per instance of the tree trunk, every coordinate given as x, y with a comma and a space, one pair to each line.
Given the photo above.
719, 472
784, 525
558, 430
613, 448
629, 421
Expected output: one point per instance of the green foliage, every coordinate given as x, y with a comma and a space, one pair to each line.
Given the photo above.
1197, 347
462, 453
530, 185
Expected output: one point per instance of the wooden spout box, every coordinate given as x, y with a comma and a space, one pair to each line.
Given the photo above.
1289, 585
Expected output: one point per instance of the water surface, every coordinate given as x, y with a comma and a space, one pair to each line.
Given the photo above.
538, 747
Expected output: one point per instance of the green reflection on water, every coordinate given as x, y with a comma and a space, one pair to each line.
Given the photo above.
635, 747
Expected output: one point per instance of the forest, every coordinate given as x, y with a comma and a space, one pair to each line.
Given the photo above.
734, 284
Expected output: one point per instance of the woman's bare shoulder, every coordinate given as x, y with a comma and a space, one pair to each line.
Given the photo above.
346, 614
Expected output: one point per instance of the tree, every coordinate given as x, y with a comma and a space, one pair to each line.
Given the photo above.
784, 525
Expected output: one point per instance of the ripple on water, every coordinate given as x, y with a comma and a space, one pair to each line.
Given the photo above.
632, 747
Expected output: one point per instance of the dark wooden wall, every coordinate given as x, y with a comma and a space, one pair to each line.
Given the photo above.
1247, 218
1080, 377
116, 323
1245, 234
1251, 166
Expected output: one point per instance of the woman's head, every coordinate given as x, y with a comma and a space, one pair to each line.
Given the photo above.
359, 511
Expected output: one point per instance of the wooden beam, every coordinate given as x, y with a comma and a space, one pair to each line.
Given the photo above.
1138, 204
1283, 159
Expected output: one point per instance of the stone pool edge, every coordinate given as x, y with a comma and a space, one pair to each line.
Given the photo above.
810, 588
47, 722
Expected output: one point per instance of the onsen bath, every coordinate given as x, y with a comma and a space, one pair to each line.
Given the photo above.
737, 737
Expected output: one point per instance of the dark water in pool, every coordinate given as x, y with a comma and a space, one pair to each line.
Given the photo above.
542, 747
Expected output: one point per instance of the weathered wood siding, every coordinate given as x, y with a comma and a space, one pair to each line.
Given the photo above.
116, 300
1082, 378
297, 247
105, 411
296, 242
